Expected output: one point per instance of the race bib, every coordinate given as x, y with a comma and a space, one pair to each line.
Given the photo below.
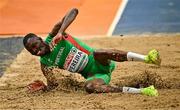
76, 60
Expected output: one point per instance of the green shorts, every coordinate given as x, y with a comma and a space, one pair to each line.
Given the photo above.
100, 71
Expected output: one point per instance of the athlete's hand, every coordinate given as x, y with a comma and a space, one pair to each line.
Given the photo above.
36, 86
57, 38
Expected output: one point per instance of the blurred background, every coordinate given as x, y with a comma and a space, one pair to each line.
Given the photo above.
96, 18
149, 16
39, 16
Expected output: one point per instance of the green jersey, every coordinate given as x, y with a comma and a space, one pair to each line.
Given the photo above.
70, 54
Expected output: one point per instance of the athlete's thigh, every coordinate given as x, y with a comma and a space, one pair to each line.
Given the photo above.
99, 71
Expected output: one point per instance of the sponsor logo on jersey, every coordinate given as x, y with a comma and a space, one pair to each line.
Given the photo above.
76, 60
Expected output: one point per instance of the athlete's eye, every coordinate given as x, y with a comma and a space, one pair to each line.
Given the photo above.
33, 45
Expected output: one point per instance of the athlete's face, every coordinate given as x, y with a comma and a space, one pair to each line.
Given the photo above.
36, 46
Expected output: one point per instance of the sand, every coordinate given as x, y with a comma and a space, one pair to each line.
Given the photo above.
70, 93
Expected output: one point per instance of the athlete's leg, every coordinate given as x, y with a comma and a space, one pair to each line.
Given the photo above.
104, 55
99, 86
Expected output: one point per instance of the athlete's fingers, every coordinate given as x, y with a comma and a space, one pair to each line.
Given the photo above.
36, 86
57, 38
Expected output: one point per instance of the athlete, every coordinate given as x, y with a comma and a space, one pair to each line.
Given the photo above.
96, 65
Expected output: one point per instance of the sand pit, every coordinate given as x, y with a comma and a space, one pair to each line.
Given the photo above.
70, 93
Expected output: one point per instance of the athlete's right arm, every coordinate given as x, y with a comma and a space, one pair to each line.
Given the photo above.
51, 79
38, 85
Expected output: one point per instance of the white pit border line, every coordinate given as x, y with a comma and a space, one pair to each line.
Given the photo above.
117, 17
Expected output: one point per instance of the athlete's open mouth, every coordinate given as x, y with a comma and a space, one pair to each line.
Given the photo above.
39, 52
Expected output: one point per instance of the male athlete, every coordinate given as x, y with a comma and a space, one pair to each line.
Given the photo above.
95, 65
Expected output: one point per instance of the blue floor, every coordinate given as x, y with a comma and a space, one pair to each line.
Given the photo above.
9, 48
149, 16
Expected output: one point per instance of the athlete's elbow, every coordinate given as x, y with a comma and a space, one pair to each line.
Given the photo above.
75, 10
89, 88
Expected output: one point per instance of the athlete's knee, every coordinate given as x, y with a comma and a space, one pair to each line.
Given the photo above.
93, 86
90, 87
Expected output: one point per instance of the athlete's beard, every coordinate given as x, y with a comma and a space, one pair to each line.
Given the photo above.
47, 48
44, 49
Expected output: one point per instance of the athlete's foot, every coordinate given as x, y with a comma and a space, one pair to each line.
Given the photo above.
153, 57
149, 91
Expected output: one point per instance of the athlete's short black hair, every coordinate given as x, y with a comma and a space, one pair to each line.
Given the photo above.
30, 35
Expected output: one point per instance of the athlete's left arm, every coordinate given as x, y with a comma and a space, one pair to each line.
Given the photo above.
56, 28
68, 19
62, 25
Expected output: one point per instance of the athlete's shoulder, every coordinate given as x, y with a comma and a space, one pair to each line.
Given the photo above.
48, 38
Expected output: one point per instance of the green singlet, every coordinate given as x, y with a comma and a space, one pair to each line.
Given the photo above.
73, 55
